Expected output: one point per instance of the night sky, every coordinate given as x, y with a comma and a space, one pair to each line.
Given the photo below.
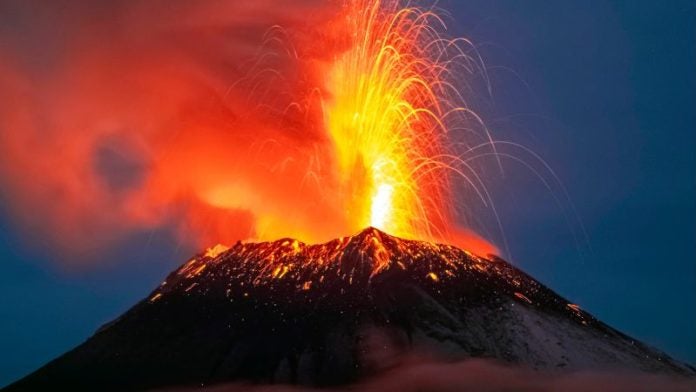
604, 91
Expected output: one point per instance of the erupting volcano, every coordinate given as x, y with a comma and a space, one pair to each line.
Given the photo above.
366, 123
288, 312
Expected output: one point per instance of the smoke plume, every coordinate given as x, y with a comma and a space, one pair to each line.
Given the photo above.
204, 116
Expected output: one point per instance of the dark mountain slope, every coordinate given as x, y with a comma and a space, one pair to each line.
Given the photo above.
331, 313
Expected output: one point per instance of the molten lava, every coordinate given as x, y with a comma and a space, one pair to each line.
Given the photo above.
346, 261
386, 116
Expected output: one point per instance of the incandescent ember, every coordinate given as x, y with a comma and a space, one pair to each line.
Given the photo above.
348, 266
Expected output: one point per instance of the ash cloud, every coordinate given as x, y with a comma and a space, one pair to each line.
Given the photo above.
200, 118
122, 116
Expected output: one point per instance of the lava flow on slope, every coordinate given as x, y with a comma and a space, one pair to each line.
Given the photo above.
288, 312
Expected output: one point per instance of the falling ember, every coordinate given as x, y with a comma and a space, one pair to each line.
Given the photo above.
155, 297
352, 260
214, 251
522, 297
388, 106
386, 117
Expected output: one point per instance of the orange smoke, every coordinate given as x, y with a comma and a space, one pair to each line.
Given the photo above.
229, 121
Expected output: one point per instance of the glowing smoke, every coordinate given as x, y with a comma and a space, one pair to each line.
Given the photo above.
202, 115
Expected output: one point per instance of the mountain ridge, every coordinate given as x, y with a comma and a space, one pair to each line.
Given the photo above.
289, 312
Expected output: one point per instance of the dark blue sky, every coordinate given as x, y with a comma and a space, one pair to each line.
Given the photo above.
604, 91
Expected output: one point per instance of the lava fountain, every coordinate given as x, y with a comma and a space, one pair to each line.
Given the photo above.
389, 105
392, 99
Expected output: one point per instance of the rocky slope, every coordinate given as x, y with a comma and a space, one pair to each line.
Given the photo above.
287, 312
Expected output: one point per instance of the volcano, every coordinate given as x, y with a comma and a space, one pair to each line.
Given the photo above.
288, 312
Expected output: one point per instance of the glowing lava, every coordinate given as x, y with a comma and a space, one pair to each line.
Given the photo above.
381, 206
386, 119
352, 260
389, 104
